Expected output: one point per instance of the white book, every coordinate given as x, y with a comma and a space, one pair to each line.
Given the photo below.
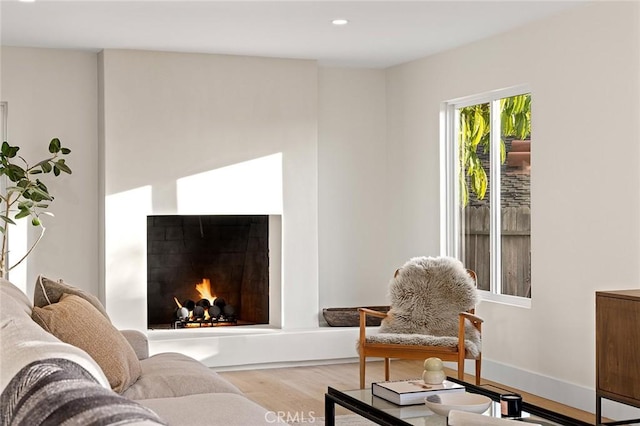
411, 392
401, 411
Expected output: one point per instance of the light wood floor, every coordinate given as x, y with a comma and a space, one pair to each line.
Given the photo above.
302, 389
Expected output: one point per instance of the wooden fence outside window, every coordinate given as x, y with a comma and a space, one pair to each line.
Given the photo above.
516, 248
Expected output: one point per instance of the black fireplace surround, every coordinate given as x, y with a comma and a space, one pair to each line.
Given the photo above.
232, 251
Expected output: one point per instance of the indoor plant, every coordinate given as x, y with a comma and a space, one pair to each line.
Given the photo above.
25, 195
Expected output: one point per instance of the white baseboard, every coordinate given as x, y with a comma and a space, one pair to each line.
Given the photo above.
566, 393
288, 364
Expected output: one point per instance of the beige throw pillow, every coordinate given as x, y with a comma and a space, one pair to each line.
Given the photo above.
76, 321
48, 291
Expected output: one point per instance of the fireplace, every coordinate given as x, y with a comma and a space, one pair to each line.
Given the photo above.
207, 271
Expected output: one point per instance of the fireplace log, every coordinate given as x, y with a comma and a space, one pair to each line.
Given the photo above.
189, 304
182, 313
198, 312
219, 302
214, 312
229, 310
204, 303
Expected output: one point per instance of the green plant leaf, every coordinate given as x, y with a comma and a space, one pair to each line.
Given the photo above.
35, 221
482, 182
37, 194
56, 170
521, 126
62, 166
9, 151
464, 193
41, 185
22, 213
35, 171
14, 189
14, 172
478, 129
7, 219
65, 151
46, 167
55, 146
13, 151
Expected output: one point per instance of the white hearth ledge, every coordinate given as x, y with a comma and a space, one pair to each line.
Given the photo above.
232, 347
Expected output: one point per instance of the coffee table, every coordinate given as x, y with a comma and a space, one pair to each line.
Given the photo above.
382, 412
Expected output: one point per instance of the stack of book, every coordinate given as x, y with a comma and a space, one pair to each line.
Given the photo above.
411, 392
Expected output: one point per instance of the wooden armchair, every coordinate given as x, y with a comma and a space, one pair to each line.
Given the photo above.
420, 340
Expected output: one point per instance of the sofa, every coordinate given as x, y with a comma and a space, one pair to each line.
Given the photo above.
63, 362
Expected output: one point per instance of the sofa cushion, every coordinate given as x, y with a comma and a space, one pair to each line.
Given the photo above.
24, 341
211, 409
76, 321
15, 304
48, 291
58, 391
172, 374
138, 341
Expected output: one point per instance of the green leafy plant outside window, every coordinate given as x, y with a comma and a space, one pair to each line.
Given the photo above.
26, 195
475, 131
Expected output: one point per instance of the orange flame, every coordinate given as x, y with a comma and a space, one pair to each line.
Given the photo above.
204, 288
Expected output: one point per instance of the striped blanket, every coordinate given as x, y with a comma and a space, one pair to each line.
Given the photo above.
60, 392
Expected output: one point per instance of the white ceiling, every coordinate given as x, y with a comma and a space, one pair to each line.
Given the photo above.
380, 33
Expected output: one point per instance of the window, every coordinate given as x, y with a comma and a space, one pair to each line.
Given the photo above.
487, 169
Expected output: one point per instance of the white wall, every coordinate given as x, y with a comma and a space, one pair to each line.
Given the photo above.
584, 70
52, 93
354, 203
168, 116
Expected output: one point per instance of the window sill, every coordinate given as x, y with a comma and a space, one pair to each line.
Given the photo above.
522, 302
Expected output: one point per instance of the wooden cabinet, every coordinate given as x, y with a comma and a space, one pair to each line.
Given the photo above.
617, 348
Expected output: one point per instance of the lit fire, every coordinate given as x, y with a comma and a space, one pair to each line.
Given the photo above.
204, 289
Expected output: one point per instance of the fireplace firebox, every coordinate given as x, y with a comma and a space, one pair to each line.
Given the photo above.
206, 271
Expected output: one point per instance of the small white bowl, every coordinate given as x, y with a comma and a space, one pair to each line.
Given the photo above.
442, 403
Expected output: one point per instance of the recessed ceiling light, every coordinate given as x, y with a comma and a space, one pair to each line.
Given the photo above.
27, 1
340, 22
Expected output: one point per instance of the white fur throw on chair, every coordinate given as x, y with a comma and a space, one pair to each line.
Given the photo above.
427, 294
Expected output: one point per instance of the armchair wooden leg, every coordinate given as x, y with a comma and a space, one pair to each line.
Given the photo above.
478, 370
387, 367
363, 364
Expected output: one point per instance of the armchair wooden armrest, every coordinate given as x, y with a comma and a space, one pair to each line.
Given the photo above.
366, 311
475, 320
472, 317
363, 319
